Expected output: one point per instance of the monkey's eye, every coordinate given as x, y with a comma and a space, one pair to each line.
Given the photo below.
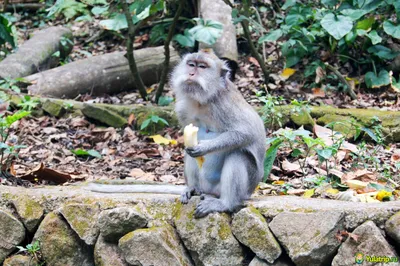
202, 65
191, 64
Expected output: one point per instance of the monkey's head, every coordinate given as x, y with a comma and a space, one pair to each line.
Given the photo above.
200, 76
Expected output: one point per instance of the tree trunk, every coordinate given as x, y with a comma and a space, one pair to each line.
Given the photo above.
97, 75
36, 54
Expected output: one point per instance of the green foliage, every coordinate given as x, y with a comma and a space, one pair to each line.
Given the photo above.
28, 104
71, 9
11, 84
270, 115
165, 100
34, 251
81, 152
6, 31
360, 31
206, 31
153, 120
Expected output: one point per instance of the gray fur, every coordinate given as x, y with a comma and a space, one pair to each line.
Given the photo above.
231, 135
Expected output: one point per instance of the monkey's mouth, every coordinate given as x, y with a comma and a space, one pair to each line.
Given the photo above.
191, 85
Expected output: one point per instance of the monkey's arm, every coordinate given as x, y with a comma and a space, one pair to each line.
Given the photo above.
115, 186
226, 141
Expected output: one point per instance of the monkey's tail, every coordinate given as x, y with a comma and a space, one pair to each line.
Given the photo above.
165, 189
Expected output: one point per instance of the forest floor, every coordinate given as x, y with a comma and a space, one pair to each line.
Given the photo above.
128, 153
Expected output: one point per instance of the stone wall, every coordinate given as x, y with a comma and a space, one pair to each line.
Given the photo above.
78, 228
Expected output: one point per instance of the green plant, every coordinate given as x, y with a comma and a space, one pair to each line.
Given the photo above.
71, 9
28, 104
81, 152
11, 84
34, 251
358, 32
153, 120
9, 149
7, 30
270, 114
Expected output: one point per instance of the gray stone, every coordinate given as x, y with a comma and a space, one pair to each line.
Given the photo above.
106, 253
370, 243
308, 238
209, 240
60, 245
251, 229
117, 222
83, 220
154, 246
279, 262
392, 227
30, 211
104, 115
19, 260
12, 233
355, 213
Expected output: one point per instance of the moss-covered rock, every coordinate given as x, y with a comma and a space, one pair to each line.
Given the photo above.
53, 108
392, 228
106, 253
30, 212
308, 238
209, 239
12, 233
370, 242
115, 223
104, 116
18, 260
251, 229
60, 245
83, 220
154, 246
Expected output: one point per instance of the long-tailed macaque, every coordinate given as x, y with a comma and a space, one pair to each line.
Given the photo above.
231, 137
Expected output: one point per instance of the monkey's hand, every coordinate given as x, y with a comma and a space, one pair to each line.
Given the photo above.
197, 151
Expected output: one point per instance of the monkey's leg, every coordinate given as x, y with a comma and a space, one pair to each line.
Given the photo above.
191, 178
234, 186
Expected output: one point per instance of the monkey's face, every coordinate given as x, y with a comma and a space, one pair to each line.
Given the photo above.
199, 76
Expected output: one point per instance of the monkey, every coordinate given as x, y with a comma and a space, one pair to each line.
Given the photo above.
231, 134
232, 138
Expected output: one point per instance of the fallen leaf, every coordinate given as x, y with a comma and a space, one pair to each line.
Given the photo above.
287, 72
348, 195
278, 182
318, 92
319, 74
160, 139
366, 198
383, 195
332, 191
296, 192
290, 167
360, 174
309, 193
131, 119
356, 184
41, 172
395, 156
254, 61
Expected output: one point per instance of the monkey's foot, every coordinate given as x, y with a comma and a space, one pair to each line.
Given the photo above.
188, 193
209, 205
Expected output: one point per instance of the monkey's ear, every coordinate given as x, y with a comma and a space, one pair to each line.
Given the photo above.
225, 71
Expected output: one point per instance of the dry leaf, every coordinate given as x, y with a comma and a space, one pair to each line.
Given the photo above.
131, 119
296, 192
278, 182
309, 193
318, 92
356, 184
395, 156
290, 167
254, 61
160, 139
360, 174
41, 172
383, 195
319, 75
287, 72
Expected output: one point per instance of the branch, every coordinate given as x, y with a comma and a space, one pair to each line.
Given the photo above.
254, 52
171, 31
129, 47
5, 5
340, 76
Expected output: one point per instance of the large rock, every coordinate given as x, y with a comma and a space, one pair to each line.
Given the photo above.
154, 246
30, 212
18, 260
83, 220
279, 262
370, 243
251, 229
117, 222
12, 233
106, 253
60, 245
209, 240
309, 238
392, 228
